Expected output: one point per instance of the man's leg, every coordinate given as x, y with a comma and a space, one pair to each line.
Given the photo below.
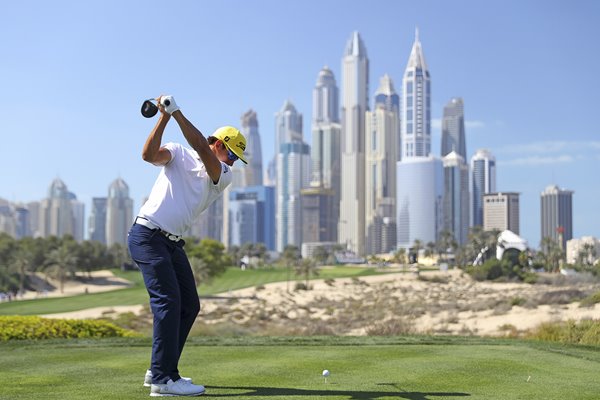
152, 253
190, 304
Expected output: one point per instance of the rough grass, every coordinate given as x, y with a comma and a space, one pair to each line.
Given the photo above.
406, 367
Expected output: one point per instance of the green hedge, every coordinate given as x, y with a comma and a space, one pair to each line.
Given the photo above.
33, 328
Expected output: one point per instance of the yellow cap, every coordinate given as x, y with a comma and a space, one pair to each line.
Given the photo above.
233, 139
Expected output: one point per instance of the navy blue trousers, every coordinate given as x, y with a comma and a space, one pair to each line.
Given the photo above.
173, 297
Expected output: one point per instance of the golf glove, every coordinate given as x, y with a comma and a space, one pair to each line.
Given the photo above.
169, 104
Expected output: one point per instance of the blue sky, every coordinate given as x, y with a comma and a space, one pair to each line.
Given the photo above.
74, 74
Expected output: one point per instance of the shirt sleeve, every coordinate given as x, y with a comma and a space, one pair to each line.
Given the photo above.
175, 149
225, 178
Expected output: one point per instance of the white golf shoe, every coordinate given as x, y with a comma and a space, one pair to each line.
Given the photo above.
178, 388
148, 378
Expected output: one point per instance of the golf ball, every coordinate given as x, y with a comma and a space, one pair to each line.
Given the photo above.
325, 373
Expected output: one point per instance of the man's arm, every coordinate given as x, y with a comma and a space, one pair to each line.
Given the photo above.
199, 143
153, 152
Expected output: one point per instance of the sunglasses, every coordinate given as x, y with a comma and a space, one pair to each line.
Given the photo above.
230, 154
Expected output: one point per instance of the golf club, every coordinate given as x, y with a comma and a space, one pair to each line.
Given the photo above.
149, 109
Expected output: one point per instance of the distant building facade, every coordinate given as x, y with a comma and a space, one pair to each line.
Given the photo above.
557, 214
119, 213
501, 211
456, 197
481, 182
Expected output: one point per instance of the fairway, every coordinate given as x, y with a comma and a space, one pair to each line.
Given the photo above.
290, 368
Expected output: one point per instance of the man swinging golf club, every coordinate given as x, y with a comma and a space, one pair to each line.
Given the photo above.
189, 181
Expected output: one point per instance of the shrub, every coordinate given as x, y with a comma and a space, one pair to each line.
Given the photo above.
590, 300
34, 328
584, 332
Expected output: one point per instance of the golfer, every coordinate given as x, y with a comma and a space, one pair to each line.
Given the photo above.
189, 181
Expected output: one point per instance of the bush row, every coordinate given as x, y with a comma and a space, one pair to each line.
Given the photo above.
584, 332
33, 328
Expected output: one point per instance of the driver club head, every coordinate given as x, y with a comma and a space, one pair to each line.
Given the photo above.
149, 109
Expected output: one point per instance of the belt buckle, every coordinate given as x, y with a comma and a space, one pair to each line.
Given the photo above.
171, 237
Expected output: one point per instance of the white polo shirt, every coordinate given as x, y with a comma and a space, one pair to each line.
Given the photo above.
182, 190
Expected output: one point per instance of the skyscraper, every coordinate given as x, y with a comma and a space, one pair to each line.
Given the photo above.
456, 197
253, 172
416, 105
97, 220
483, 181
453, 128
252, 216
382, 137
355, 102
501, 212
326, 150
419, 177
293, 174
557, 214
119, 213
60, 213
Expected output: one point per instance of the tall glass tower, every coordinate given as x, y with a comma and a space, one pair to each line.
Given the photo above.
483, 181
453, 128
382, 137
456, 197
557, 214
253, 172
293, 174
326, 155
119, 212
355, 102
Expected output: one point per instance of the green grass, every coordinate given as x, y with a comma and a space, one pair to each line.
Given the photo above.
233, 279
415, 367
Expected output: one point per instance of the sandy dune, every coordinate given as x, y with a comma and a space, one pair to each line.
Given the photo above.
434, 302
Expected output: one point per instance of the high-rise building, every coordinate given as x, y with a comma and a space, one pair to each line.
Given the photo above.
60, 213
416, 105
317, 211
382, 137
293, 166
293, 174
253, 172
482, 181
355, 103
453, 128
23, 221
97, 220
119, 213
252, 216
326, 147
419, 200
420, 183
456, 197
501, 212
557, 214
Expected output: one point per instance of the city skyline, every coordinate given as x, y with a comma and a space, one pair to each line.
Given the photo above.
74, 87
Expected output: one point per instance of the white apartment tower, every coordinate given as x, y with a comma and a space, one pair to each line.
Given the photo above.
355, 103
119, 213
61, 214
382, 137
482, 181
419, 174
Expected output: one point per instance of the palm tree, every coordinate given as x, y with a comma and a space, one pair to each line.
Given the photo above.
417, 246
290, 257
307, 267
61, 262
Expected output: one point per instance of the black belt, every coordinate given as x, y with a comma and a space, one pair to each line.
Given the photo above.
144, 222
